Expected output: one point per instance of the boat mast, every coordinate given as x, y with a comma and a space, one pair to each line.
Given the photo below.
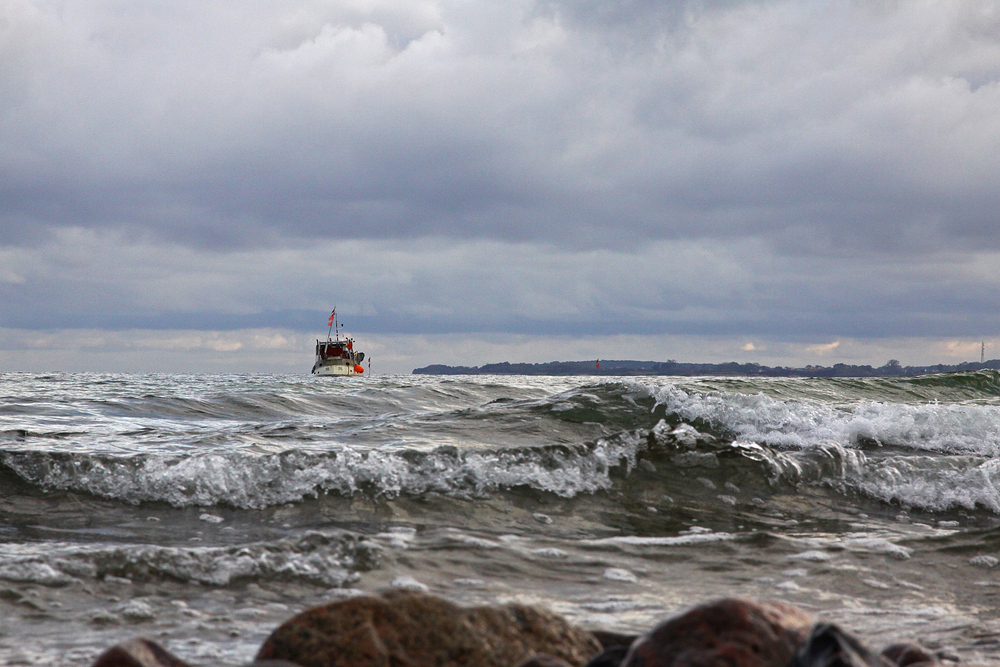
333, 320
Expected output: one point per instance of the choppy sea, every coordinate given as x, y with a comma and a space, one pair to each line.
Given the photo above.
204, 510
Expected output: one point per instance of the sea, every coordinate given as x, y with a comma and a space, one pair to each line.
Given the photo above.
202, 511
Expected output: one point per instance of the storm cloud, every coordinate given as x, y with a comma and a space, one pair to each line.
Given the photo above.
781, 170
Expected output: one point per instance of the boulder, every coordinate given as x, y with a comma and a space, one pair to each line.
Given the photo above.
138, 653
731, 632
543, 660
415, 629
905, 655
142, 652
611, 656
615, 647
829, 646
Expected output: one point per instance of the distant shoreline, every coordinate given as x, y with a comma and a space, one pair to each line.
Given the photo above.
671, 367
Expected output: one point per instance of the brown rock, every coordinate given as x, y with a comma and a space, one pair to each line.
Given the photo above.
829, 646
543, 660
416, 630
731, 632
615, 647
909, 654
612, 656
138, 653
610, 639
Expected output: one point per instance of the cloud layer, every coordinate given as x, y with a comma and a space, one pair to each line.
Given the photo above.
779, 169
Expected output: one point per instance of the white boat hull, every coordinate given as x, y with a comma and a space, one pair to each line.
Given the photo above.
334, 369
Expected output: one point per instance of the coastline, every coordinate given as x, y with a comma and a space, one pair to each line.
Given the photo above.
628, 367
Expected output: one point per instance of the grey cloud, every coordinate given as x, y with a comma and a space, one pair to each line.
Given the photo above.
739, 287
812, 126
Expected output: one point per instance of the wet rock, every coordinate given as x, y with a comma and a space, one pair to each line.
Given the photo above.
611, 656
731, 632
543, 660
829, 646
615, 646
613, 639
138, 653
904, 655
413, 628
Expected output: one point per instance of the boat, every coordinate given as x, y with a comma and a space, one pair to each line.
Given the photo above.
336, 355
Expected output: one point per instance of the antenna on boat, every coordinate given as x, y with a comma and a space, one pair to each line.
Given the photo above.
333, 319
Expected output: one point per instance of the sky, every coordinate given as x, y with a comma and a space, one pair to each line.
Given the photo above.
192, 185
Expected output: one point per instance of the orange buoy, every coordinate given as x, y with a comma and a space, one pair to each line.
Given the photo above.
358, 368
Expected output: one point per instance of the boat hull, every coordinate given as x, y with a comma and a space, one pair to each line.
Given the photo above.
334, 369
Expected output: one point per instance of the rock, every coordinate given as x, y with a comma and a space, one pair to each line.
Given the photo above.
543, 660
731, 632
138, 653
611, 639
416, 629
611, 656
615, 645
829, 646
909, 654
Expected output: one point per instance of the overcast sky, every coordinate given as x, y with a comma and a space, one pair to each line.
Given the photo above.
193, 184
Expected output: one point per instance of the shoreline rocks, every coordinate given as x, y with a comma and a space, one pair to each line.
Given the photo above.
725, 633
414, 629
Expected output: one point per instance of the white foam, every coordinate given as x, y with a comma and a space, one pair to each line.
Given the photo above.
801, 423
315, 557
962, 467
984, 561
475, 542
877, 545
619, 574
408, 583
811, 556
248, 480
679, 540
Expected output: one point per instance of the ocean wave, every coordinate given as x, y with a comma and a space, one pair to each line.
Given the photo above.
261, 480
327, 559
931, 482
934, 483
675, 459
470, 438
795, 423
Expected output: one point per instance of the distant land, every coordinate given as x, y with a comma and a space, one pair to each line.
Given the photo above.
626, 367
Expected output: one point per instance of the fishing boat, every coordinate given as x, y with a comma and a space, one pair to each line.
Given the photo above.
336, 355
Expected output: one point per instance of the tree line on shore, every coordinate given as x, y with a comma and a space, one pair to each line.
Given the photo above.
892, 368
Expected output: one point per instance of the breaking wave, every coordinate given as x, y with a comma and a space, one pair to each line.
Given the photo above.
929, 442
320, 558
